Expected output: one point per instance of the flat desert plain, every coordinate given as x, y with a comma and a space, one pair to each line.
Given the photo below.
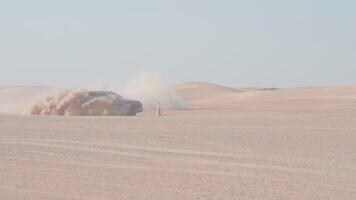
234, 143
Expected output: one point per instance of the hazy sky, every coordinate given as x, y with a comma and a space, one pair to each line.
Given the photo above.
236, 43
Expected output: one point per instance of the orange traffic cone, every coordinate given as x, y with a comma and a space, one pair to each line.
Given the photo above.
158, 110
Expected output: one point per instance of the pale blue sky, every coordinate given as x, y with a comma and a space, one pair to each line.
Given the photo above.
238, 43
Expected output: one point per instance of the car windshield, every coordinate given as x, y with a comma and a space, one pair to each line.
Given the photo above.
95, 94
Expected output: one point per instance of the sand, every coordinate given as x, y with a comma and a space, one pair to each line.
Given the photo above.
297, 143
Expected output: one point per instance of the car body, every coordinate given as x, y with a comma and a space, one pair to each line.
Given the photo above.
118, 105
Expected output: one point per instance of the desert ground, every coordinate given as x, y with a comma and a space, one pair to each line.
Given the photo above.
233, 143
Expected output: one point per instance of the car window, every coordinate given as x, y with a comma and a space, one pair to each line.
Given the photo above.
95, 94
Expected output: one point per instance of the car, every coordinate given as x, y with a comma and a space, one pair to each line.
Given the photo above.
118, 105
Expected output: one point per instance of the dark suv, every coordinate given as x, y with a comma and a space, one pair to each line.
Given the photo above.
126, 106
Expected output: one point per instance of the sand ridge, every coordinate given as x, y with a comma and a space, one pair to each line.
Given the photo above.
205, 95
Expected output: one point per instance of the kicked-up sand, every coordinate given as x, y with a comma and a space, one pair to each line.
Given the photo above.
244, 143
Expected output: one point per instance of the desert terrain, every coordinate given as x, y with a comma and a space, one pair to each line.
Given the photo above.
233, 143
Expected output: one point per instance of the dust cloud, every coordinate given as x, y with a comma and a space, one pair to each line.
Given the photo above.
150, 89
79, 103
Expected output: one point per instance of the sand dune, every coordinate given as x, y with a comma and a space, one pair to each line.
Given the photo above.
204, 95
297, 143
198, 91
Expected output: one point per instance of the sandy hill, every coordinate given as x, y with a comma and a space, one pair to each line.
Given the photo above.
198, 90
200, 94
205, 95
